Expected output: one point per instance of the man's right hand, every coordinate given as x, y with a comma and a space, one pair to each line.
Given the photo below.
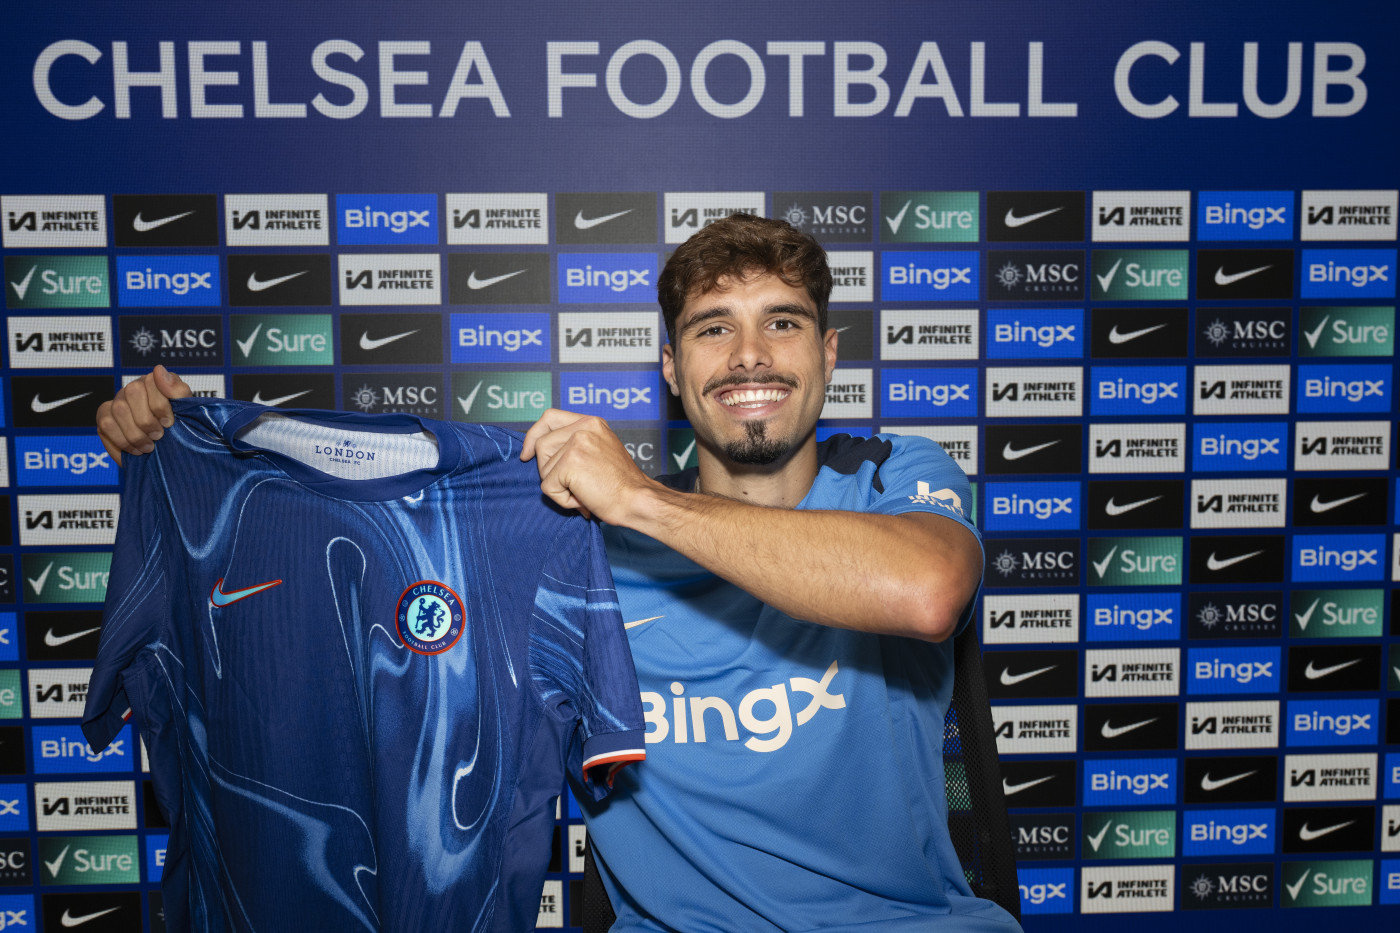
138, 416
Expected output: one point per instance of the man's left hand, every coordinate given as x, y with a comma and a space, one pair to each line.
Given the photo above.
584, 466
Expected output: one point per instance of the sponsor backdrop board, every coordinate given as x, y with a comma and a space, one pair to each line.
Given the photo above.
1134, 268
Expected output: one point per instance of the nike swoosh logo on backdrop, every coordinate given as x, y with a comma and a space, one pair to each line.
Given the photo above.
475, 283
1012, 220
1221, 278
254, 285
1113, 508
1318, 506
1308, 834
1112, 732
1010, 680
273, 402
143, 226
1115, 337
374, 343
588, 223
1313, 673
40, 407
1010, 453
55, 641
1214, 564
69, 921
1207, 784
1009, 789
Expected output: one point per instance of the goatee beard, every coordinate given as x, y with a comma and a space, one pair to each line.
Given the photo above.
757, 448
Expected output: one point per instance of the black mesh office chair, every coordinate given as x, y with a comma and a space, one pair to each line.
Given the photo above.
977, 818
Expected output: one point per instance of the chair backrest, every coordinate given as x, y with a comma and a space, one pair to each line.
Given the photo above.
977, 819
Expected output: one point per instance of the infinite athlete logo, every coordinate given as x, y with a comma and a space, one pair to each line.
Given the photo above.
429, 617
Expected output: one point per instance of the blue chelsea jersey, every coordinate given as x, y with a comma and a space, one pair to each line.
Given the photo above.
794, 776
363, 653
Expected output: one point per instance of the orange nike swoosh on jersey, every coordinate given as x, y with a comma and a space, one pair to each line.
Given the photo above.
220, 599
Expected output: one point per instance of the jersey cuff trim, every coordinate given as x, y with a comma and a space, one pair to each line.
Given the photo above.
606, 754
616, 760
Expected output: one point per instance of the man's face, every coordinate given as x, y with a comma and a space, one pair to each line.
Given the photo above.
750, 367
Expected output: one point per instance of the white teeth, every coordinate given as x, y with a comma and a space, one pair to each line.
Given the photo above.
754, 396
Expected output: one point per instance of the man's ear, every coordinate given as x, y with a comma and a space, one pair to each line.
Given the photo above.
829, 349
668, 368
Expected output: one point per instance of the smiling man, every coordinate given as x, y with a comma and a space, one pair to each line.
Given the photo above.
789, 606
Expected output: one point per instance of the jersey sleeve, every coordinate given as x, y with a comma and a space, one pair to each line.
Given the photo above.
137, 606
581, 659
919, 476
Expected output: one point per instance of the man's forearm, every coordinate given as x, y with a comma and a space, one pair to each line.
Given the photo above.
909, 574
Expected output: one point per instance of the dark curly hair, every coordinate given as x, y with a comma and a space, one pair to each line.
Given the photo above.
738, 246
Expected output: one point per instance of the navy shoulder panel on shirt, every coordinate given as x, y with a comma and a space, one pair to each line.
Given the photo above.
842, 452
846, 455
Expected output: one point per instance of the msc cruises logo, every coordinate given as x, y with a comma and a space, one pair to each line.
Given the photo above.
830, 216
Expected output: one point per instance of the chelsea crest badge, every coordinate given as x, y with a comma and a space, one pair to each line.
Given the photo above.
429, 617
